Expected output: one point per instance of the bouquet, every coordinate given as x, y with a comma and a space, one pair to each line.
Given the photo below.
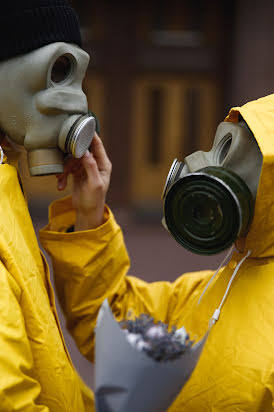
140, 364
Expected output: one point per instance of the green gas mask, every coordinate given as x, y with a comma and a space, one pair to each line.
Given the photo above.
209, 198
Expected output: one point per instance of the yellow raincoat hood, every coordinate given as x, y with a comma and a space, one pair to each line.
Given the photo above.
259, 116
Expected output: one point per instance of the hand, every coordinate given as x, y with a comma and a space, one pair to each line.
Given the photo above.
91, 177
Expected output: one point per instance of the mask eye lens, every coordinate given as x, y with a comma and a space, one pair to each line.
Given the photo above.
224, 150
61, 69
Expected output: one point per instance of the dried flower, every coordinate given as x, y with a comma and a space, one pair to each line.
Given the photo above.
155, 339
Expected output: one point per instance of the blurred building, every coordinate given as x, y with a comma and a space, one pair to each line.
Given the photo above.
162, 75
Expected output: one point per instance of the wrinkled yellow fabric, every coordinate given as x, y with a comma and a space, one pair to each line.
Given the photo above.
235, 371
36, 373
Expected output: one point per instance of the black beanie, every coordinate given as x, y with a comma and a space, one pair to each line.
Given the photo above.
26, 25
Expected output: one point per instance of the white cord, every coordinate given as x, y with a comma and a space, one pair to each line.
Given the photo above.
1, 155
215, 274
217, 312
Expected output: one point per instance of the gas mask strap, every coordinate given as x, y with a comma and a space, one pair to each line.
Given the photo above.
217, 312
216, 273
1, 155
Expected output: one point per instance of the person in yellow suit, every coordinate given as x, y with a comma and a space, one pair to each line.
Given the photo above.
44, 109
235, 370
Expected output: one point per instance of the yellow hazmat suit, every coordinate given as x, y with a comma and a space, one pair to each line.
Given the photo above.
36, 373
236, 368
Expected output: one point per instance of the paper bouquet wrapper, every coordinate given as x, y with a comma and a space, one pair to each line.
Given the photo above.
128, 380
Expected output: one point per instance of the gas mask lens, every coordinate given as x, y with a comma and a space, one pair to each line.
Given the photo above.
223, 149
61, 69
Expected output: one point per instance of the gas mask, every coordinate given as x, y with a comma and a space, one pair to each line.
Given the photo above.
43, 106
209, 199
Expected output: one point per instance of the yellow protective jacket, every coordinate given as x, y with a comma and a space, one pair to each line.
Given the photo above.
36, 373
235, 371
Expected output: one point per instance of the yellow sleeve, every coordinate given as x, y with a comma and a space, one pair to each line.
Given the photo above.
18, 389
90, 266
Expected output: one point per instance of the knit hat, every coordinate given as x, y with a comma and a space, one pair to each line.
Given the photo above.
26, 25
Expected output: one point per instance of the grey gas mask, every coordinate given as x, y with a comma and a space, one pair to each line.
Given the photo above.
209, 199
43, 106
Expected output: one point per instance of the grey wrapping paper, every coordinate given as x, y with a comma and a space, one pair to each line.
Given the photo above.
128, 380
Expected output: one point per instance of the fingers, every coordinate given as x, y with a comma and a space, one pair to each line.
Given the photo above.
71, 165
90, 166
61, 181
100, 154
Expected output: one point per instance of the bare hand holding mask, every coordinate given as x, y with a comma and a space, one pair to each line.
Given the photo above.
91, 176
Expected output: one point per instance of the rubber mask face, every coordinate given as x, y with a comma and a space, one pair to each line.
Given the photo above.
43, 106
209, 199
